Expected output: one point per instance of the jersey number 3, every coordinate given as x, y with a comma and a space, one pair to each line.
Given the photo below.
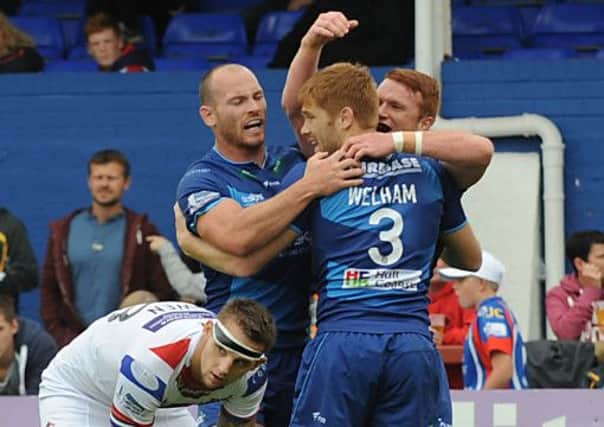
391, 236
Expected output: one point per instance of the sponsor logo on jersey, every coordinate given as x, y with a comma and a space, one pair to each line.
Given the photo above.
491, 312
165, 319
381, 279
270, 184
251, 199
129, 404
198, 200
139, 376
393, 167
495, 329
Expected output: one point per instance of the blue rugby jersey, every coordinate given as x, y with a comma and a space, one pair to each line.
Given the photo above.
494, 329
373, 246
282, 285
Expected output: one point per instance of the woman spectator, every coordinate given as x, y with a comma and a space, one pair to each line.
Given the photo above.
17, 50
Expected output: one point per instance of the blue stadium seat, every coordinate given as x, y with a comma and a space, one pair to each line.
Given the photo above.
226, 5
213, 36
67, 66
46, 32
574, 26
64, 9
69, 13
485, 31
253, 61
181, 64
529, 54
272, 28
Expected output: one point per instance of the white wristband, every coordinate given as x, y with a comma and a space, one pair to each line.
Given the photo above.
399, 141
419, 139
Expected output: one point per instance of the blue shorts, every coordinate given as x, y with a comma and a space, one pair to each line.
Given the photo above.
361, 379
275, 410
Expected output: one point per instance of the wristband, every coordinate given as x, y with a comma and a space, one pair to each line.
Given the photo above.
419, 139
399, 141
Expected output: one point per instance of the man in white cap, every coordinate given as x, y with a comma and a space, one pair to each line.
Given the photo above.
494, 355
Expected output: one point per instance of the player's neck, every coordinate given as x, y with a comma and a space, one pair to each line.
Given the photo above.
356, 129
242, 153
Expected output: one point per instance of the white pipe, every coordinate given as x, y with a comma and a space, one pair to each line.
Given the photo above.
423, 36
552, 149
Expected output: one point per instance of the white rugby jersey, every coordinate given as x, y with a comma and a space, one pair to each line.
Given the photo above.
136, 360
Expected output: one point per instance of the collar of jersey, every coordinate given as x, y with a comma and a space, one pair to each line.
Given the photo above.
267, 159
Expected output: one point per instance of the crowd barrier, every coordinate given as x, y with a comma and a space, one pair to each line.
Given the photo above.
527, 408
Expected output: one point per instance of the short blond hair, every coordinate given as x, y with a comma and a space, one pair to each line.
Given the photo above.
344, 85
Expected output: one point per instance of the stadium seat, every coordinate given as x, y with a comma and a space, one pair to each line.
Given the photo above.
226, 5
64, 9
69, 13
529, 54
253, 61
573, 26
180, 64
213, 36
272, 28
71, 66
485, 31
46, 32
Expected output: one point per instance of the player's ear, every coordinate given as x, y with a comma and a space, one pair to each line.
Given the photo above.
207, 115
426, 123
345, 118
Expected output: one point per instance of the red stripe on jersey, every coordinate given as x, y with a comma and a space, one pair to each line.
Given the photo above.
172, 353
118, 415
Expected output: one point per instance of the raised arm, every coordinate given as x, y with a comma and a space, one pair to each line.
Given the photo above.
327, 27
239, 231
466, 156
222, 261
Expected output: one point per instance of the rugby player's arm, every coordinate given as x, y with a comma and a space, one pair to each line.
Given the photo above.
462, 249
465, 155
239, 231
503, 369
238, 266
327, 27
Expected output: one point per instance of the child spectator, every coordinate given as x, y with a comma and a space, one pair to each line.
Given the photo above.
106, 45
494, 354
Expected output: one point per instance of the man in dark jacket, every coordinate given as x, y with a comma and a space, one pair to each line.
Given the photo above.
18, 265
97, 255
25, 351
107, 47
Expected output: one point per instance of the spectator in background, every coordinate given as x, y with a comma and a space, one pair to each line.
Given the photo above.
384, 35
494, 354
445, 301
18, 265
25, 351
190, 286
108, 48
18, 52
97, 255
568, 306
